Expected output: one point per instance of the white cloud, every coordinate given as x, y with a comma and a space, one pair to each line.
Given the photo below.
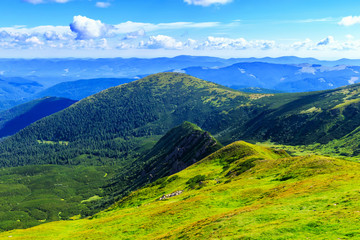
161, 41
135, 35
326, 41
206, 3
307, 43
225, 43
34, 40
87, 28
313, 20
103, 4
353, 80
220, 43
349, 21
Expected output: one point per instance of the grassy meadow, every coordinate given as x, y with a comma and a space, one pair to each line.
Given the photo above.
242, 191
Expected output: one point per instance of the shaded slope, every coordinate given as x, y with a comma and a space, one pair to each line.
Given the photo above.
241, 191
181, 147
17, 118
82, 88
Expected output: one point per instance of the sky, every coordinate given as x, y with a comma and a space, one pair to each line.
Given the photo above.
164, 28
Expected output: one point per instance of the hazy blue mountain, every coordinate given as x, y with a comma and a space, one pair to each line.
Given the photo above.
17, 118
73, 69
280, 77
16, 90
22, 80
82, 88
65, 69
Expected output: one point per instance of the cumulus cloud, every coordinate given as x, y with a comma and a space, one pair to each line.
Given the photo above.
349, 21
307, 43
135, 35
206, 3
102, 4
221, 43
161, 41
34, 40
87, 28
326, 41
327, 44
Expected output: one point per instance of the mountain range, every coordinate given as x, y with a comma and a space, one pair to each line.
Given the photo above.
73, 69
157, 142
280, 77
23, 80
114, 121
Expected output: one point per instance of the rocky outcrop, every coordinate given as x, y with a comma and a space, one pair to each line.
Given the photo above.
170, 195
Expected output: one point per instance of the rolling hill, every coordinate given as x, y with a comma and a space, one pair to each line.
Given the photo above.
179, 148
241, 191
113, 123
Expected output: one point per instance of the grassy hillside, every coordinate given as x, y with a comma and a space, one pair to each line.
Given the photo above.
32, 195
17, 118
181, 147
242, 191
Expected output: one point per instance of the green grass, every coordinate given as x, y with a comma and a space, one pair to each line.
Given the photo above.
32, 195
277, 197
344, 148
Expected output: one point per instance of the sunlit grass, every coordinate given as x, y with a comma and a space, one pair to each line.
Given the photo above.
279, 197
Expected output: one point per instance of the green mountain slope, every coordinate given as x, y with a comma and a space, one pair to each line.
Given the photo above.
242, 191
181, 147
305, 118
17, 118
113, 124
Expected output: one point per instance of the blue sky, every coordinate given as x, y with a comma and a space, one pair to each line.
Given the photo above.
151, 28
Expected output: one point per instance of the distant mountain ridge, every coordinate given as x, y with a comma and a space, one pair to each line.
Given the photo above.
72, 68
279, 77
28, 79
80, 89
17, 118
